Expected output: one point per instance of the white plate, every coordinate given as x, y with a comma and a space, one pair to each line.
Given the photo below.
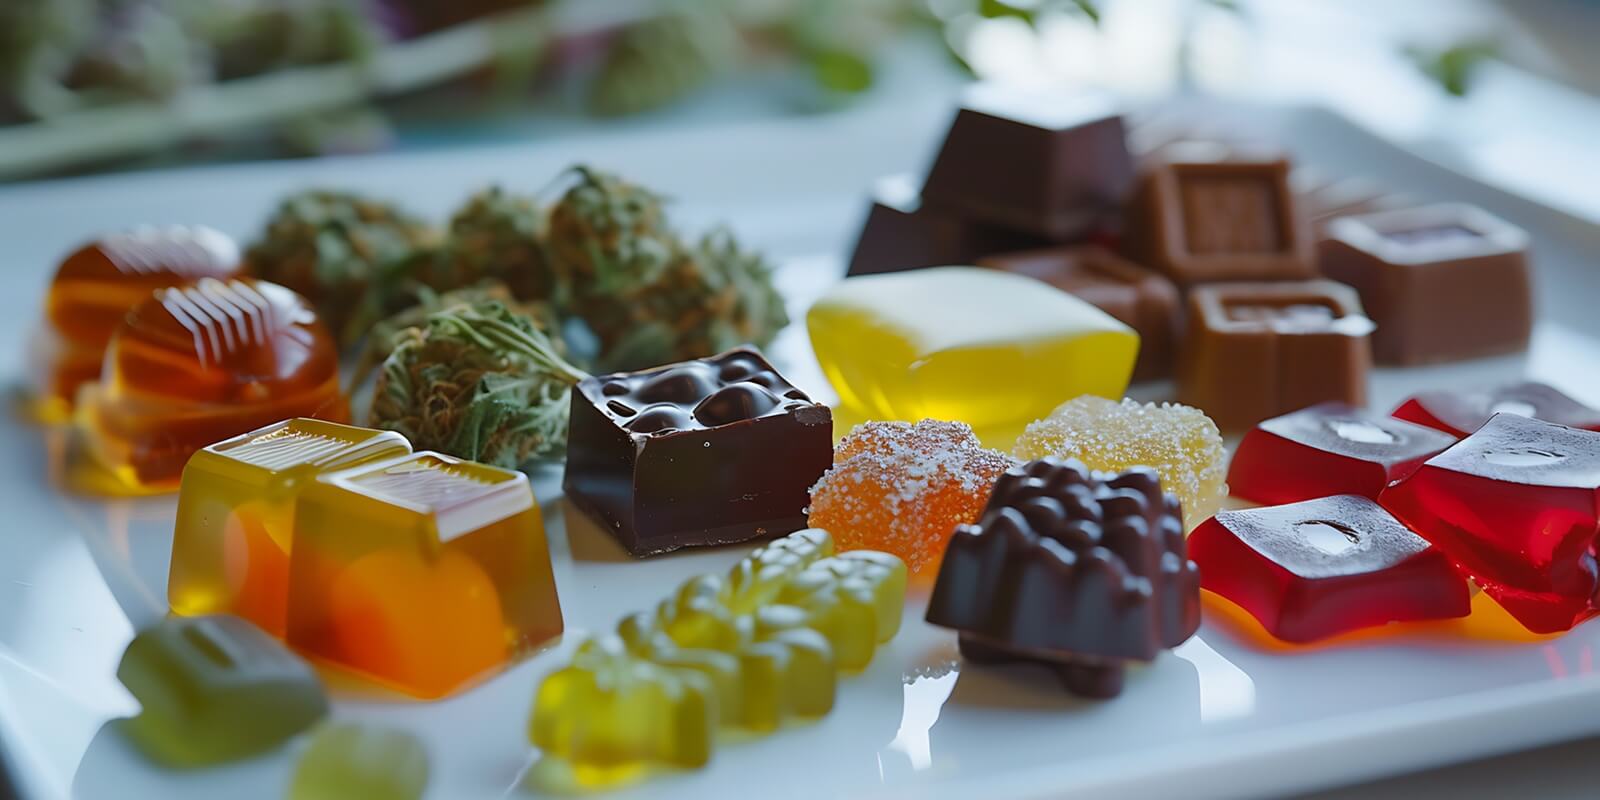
1218, 717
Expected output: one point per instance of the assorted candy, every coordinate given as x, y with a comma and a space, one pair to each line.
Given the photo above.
1327, 450
746, 651
1310, 570
236, 514
1517, 505
214, 689
423, 572
953, 343
705, 452
1076, 570
1459, 413
1180, 443
200, 363
902, 488
345, 760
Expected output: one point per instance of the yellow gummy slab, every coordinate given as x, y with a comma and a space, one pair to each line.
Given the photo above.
979, 346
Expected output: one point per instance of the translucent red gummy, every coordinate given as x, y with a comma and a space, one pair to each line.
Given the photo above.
1515, 505
1328, 449
1307, 571
1460, 413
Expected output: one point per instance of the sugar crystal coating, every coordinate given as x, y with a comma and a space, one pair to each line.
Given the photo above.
1181, 443
903, 488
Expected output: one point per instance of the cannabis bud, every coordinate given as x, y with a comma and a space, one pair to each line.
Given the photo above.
330, 245
478, 382
659, 60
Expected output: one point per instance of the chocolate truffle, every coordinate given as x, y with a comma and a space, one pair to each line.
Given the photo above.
1140, 298
1258, 350
1076, 570
703, 452
1054, 168
1443, 282
1231, 220
901, 233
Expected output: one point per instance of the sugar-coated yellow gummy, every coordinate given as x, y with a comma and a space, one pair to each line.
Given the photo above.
749, 651
979, 346
347, 760
1181, 443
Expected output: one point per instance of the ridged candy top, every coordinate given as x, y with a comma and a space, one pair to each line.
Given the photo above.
97, 284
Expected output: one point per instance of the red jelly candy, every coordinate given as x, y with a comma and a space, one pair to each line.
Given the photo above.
1461, 413
1328, 449
1312, 570
1515, 505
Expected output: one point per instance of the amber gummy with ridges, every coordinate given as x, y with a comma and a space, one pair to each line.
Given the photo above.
236, 514
202, 363
424, 573
96, 285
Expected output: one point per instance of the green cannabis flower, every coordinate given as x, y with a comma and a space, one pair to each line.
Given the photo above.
659, 60
498, 235
607, 236
383, 336
478, 382
329, 245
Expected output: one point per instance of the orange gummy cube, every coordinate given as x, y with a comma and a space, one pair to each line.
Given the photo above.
201, 363
96, 286
423, 572
903, 488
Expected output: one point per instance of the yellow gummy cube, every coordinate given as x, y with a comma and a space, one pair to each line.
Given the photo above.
973, 345
236, 505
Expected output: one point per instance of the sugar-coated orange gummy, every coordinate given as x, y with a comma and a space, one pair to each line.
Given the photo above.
903, 488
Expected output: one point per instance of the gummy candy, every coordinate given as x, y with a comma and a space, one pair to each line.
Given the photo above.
980, 346
1461, 413
745, 651
215, 689
1325, 450
424, 573
1323, 567
201, 363
902, 488
96, 286
1515, 505
236, 505
1077, 571
1181, 443
346, 760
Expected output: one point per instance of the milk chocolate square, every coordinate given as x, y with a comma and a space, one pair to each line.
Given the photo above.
1443, 282
1050, 166
902, 233
703, 452
1258, 350
1140, 298
1230, 220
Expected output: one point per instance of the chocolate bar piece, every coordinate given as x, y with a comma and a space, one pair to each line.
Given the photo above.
1140, 298
1461, 413
1230, 220
703, 452
1443, 282
1258, 350
1054, 169
901, 233
1077, 570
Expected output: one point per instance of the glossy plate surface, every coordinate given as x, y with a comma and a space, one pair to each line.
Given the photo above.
1222, 716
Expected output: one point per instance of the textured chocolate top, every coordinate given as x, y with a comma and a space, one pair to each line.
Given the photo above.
735, 386
1066, 560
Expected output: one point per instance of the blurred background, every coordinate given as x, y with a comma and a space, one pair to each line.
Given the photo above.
1499, 88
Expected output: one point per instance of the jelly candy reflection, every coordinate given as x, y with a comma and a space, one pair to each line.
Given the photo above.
747, 651
197, 678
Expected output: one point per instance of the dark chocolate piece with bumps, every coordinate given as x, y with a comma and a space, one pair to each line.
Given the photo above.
902, 233
1053, 167
1077, 570
710, 451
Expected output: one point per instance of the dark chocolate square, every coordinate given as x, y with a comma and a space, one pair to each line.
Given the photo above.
1048, 165
1443, 282
710, 451
901, 233
1258, 350
1204, 221
1142, 299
